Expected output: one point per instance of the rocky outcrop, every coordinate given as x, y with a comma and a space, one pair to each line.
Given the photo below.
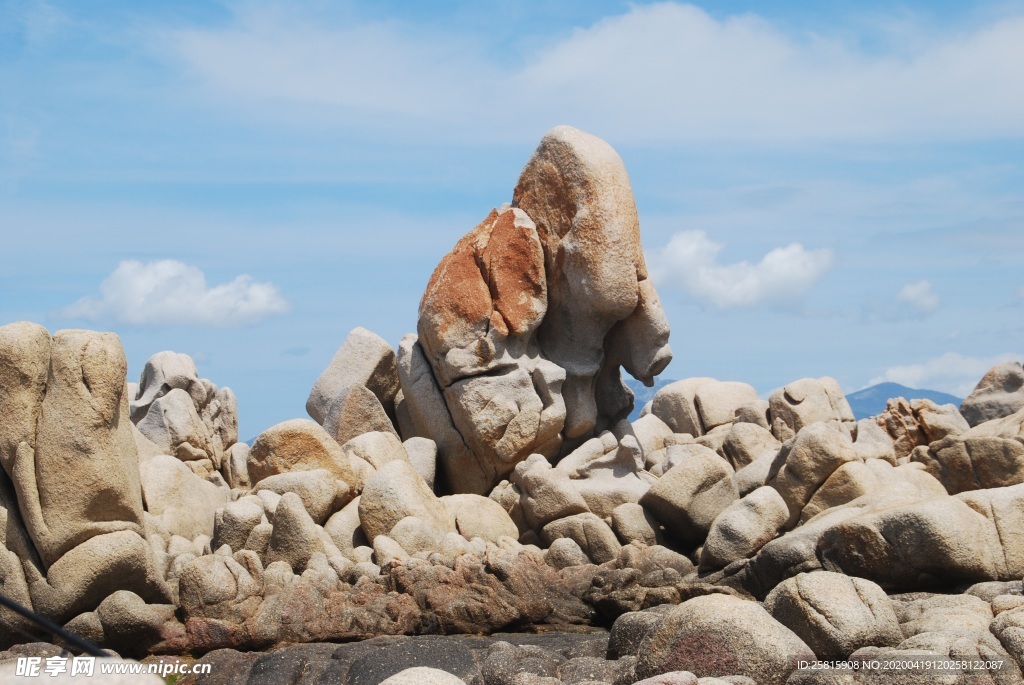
525, 357
72, 497
184, 415
485, 478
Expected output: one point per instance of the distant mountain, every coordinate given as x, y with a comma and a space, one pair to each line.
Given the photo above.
642, 394
871, 401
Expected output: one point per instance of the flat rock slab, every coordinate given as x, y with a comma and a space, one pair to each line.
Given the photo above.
372, 661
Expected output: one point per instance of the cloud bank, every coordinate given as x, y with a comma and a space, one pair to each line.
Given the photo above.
171, 293
661, 72
690, 262
952, 372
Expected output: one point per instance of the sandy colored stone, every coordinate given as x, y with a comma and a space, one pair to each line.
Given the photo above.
422, 675
565, 552
184, 503
321, 493
688, 498
718, 402
295, 537
999, 393
805, 402
746, 442
591, 533
918, 545
1004, 508
458, 467
632, 523
478, 516
547, 493
297, 445
397, 491
675, 405
806, 462
355, 411
345, 529
743, 528
973, 461
80, 478
835, 614
235, 522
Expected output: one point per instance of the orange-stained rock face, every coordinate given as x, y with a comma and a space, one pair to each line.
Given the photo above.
485, 298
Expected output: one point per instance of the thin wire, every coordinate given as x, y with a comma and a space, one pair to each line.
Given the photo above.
53, 628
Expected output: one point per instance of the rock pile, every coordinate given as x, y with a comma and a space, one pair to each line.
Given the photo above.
484, 478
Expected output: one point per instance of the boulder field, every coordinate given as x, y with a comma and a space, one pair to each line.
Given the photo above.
483, 479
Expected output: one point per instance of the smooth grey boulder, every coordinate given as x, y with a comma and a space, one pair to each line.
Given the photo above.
743, 528
834, 613
999, 393
806, 402
591, 533
365, 359
688, 498
720, 635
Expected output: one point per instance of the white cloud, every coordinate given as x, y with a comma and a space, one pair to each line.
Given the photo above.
952, 372
171, 293
660, 72
920, 296
690, 262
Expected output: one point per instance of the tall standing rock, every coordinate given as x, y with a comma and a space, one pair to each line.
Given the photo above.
86, 465
66, 444
576, 190
525, 324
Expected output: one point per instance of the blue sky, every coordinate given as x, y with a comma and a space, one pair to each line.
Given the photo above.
824, 188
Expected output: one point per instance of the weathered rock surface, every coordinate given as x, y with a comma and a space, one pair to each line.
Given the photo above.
930, 543
718, 635
806, 462
169, 537
182, 502
688, 498
805, 402
835, 614
182, 414
743, 528
298, 444
999, 393
397, 491
576, 190
364, 359
524, 326
67, 447
990, 455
